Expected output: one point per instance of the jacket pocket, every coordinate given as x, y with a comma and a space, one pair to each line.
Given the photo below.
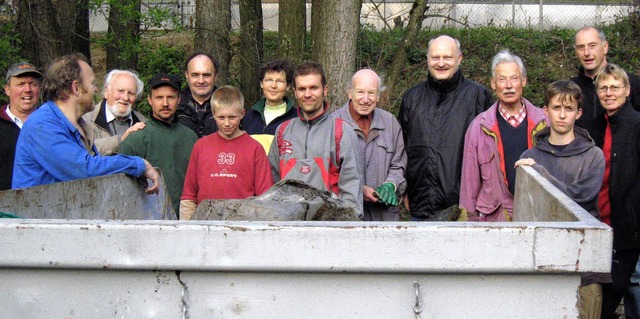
488, 200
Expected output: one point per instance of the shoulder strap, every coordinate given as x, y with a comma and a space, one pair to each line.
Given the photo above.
338, 133
281, 129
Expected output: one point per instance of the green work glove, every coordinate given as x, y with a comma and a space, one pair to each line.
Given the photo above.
387, 194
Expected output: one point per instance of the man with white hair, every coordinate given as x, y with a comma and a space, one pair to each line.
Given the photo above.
113, 119
494, 142
380, 147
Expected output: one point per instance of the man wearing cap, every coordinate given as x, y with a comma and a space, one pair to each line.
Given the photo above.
23, 89
113, 119
164, 142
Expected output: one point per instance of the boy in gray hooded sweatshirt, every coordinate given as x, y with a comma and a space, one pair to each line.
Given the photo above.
568, 157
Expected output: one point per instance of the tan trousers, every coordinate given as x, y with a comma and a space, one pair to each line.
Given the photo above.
590, 301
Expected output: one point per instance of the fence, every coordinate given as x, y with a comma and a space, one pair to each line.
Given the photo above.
451, 13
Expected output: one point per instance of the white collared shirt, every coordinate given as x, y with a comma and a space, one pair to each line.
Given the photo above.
110, 117
14, 118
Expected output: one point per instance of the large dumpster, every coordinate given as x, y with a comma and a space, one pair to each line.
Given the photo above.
529, 268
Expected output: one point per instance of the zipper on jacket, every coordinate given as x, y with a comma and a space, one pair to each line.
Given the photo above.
306, 138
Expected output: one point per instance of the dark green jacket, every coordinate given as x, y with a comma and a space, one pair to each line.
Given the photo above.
166, 146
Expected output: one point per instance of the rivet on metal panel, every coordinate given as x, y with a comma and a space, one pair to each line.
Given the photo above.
183, 297
417, 307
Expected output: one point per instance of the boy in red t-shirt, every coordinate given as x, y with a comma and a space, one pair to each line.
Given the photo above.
227, 164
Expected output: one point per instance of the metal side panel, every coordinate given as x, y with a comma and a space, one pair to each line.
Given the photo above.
76, 294
304, 246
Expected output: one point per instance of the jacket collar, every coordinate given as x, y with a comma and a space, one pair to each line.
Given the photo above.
3, 114
316, 119
579, 145
445, 86
261, 104
376, 121
584, 79
489, 117
618, 118
188, 105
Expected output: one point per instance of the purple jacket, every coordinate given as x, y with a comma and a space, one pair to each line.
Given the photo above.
382, 157
484, 194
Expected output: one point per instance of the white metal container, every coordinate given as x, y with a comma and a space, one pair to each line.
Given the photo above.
208, 269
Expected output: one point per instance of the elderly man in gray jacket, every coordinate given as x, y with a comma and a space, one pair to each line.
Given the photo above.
380, 147
113, 118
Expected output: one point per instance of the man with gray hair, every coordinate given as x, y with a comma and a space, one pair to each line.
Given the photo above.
434, 116
494, 142
380, 147
591, 48
113, 119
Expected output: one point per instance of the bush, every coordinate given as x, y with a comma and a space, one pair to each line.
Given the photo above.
9, 54
159, 57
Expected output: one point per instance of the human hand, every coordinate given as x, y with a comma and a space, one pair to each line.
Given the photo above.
525, 161
386, 193
368, 193
135, 127
153, 175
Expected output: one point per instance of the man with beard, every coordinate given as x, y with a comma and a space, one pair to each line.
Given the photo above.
194, 109
55, 144
494, 142
114, 119
23, 90
434, 116
315, 148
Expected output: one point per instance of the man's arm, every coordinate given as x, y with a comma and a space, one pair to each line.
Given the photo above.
397, 170
65, 158
349, 180
470, 182
187, 208
112, 144
191, 187
274, 158
263, 179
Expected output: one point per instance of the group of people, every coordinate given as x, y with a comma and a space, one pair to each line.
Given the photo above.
451, 151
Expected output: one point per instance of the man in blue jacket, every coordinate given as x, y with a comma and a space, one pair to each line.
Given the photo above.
55, 146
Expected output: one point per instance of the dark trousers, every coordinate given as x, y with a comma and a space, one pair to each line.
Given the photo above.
623, 264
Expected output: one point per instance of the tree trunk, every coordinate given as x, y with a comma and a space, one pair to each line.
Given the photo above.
292, 29
334, 36
416, 16
251, 48
39, 30
82, 38
123, 34
213, 24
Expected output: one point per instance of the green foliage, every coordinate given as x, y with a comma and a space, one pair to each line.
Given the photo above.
157, 58
154, 21
9, 54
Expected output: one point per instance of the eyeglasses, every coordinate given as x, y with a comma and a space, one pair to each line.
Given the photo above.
613, 88
271, 81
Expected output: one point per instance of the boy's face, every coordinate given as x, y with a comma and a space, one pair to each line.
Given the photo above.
562, 113
228, 121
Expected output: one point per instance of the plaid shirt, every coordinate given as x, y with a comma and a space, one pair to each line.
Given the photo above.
514, 120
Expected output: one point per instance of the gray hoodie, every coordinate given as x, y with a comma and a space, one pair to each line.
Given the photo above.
577, 170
